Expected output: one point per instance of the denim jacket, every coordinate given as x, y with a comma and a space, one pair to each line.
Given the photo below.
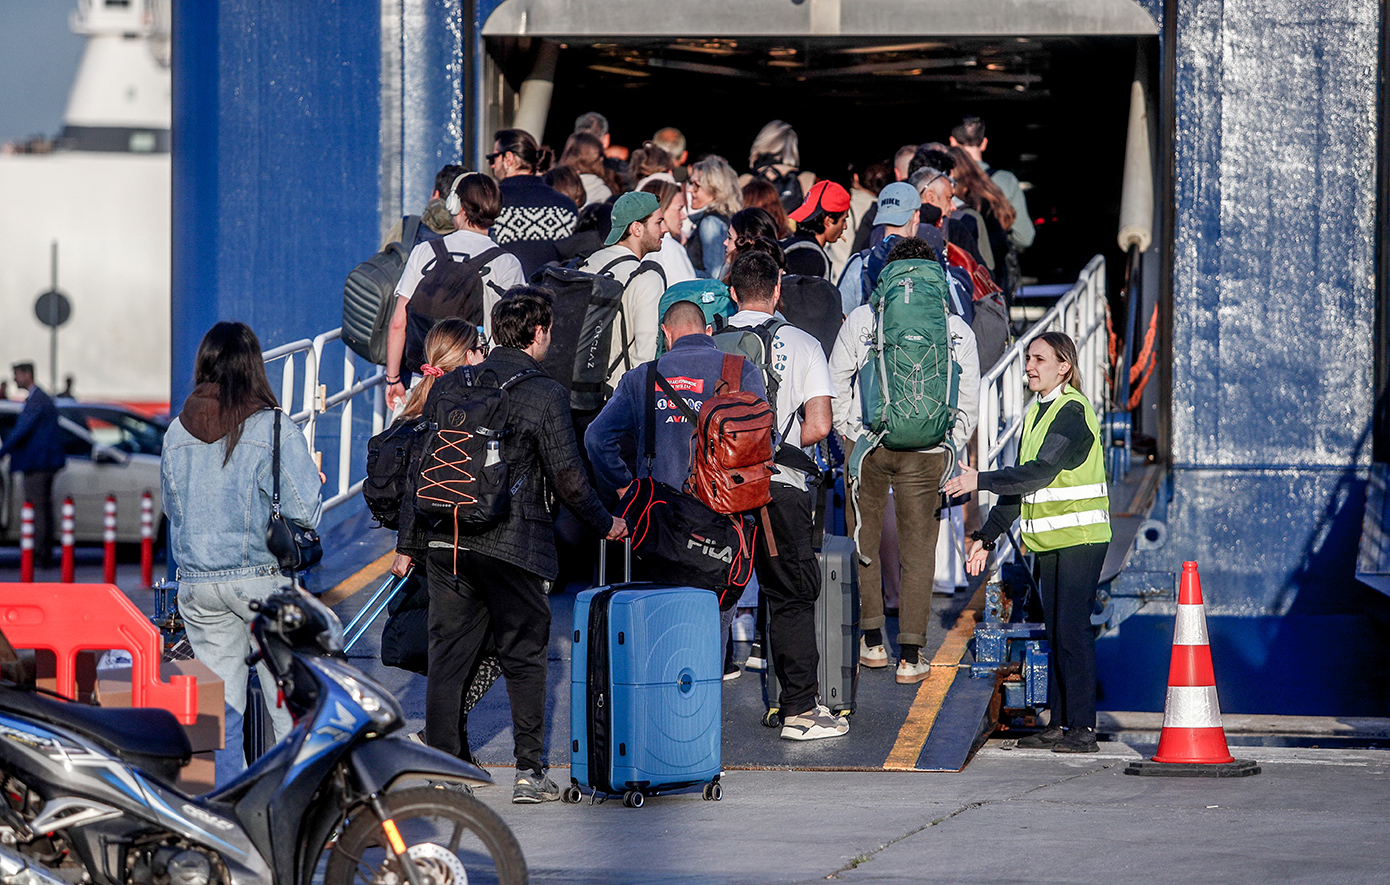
706, 245
218, 513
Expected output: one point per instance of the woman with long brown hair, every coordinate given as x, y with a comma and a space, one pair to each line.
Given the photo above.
976, 190
1058, 490
217, 482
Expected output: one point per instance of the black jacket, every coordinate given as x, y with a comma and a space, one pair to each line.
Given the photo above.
542, 446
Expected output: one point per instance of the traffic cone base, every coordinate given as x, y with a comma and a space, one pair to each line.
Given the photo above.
1234, 768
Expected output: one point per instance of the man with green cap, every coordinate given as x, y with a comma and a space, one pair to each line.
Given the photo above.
637, 229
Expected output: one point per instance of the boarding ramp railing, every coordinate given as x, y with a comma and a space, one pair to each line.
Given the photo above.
1004, 394
304, 397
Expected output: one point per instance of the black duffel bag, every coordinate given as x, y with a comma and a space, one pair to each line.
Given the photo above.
677, 539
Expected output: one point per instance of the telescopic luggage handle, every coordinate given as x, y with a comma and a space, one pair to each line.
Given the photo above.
603, 560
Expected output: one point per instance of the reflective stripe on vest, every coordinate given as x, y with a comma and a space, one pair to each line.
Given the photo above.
1075, 508
1075, 493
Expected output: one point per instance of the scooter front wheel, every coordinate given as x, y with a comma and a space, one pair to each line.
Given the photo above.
450, 838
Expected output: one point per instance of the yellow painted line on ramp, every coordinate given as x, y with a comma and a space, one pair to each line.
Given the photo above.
932, 692
361, 579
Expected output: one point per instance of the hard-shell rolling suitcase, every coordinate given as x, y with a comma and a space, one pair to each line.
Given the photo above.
645, 691
837, 634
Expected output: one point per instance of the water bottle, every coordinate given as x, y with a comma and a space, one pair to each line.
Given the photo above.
494, 453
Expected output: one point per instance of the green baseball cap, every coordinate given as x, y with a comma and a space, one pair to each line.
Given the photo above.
630, 207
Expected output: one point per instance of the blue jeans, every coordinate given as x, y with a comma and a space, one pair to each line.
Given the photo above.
218, 619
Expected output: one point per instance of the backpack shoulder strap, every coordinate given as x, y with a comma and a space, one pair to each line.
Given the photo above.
410, 231
621, 259
519, 377
652, 267
477, 262
441, 253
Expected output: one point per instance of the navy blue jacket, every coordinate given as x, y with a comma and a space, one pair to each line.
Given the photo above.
36, 442
616, 440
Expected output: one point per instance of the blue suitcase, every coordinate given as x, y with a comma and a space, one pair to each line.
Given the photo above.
646, 682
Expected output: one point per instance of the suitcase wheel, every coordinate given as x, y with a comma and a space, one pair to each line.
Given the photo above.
633, 799
712, 792
571, 795
772, 718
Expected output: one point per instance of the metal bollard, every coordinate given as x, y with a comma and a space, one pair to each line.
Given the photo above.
26, 543
108, 537
146, 540
69, 540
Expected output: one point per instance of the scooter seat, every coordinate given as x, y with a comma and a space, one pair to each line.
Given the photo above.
132, 732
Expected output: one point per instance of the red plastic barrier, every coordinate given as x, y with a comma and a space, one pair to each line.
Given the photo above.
68, 618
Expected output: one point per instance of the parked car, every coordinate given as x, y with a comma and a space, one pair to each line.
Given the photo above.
111, 450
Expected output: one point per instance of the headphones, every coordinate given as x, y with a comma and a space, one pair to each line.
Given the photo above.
451, 200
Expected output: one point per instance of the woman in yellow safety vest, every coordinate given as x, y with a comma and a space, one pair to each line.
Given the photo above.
1059, 494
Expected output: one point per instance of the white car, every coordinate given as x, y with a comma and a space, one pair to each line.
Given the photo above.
111, 450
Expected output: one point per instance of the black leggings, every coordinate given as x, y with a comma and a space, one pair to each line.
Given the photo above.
1067, 579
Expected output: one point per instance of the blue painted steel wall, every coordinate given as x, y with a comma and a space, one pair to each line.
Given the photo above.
275, 166
1272, 388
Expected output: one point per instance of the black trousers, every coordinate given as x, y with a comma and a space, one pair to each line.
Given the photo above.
38, 490
790, 583
1067, 579
486, 600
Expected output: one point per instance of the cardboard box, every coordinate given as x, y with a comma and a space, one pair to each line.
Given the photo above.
199, 775
45, 667
209, 731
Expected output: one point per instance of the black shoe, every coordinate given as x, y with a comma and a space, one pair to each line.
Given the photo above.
731, 671
1077, 740
1043, 740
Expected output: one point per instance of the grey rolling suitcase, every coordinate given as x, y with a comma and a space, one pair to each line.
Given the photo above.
837, 633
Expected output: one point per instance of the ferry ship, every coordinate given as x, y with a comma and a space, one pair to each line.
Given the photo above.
91, 210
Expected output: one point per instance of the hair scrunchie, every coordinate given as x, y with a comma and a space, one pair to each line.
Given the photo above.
431, 371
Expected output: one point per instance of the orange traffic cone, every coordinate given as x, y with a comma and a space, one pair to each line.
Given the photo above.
1193, 742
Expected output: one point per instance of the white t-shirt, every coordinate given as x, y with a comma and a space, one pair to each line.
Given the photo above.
499, 274
800, 361
675, 261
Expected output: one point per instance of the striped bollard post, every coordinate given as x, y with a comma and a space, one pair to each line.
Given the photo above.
69, 540
108, 537
26, 543
146, 540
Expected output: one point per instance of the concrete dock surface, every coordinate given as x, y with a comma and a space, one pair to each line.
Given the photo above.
1311, 816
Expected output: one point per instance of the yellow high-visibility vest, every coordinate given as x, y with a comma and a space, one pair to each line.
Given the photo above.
1075, 508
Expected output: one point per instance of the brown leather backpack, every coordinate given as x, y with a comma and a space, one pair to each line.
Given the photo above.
731, 450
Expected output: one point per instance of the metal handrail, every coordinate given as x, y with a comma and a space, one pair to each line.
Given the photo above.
1004, 397
314, 400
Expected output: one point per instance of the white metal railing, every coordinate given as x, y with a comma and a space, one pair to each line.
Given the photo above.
1004, 395
314, 400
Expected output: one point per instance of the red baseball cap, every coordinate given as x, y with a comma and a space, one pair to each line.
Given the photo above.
826, 196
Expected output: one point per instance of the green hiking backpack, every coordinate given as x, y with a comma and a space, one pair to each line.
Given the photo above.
908, 384
712, 297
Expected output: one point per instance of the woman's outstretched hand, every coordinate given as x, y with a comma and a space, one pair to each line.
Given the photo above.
967, 482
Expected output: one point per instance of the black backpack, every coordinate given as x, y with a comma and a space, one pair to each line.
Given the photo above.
813, 305
448, 288
392, 461
788, 184
588, 311
464, 476
369, 295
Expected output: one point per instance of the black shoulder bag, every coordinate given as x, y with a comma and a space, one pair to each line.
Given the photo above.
295, 546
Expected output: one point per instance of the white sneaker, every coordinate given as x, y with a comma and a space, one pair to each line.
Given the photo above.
755, 661
817, 722
743, 627
913, 671
873, 656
